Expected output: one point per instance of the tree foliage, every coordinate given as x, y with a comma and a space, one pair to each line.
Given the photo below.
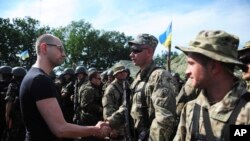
16, 36
84, 45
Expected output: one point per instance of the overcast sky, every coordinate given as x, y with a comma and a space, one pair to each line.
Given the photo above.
140, 16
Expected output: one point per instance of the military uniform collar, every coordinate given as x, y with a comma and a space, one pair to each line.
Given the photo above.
143, 74
222, 109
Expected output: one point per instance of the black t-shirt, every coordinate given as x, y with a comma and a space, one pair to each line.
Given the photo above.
36, 86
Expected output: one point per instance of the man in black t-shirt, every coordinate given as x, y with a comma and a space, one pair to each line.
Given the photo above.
39, 102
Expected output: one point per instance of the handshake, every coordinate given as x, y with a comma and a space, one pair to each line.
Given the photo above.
104, 130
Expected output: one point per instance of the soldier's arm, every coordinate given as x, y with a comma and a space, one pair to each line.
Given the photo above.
87, 98
117, 118
108, 102
181, 130
163, 98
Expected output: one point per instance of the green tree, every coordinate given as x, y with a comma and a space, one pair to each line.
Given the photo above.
161, 59
17, 36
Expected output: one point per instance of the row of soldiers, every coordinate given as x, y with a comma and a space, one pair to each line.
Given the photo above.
84, 100
11, 124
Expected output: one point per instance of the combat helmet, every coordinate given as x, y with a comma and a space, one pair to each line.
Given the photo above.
110, 72
80, 69
5, 70
69, 71
18, 71
92, 69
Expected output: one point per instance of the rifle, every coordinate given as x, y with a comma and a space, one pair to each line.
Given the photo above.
126, 98
75, 101
75, 96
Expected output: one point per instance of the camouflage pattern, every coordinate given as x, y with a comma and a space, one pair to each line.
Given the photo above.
112, 100
219, 113
187, 93
160, 100
209, 43
78, 85
90, 105
16, 127
144, 39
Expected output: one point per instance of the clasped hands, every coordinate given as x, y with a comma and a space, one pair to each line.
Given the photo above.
105, 130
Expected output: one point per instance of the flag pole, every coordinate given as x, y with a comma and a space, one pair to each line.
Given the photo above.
169, 57
165, 39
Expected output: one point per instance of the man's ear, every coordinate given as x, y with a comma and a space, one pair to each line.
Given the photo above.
43, 48
216, 66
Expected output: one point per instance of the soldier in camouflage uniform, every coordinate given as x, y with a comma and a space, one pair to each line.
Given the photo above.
177, 82
67, 93
244, 56
113, 97
187, 93
13, 116
5, 74
152, 95
82, 79
110, 79
223, 100
90, 102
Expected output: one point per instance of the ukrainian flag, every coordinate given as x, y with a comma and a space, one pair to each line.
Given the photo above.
166, 37
24, 55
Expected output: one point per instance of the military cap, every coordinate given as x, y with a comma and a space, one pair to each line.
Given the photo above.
218, 45
118, 69
244, 53
145, 39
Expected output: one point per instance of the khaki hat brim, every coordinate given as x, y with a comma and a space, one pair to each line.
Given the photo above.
118, 72
212, 55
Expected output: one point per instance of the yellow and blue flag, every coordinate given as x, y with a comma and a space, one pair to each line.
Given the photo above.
23, 55
166, 37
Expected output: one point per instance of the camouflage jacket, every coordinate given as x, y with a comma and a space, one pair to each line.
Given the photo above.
160, 100
112, 99
248, 85
186, 94
90, 102
219, 114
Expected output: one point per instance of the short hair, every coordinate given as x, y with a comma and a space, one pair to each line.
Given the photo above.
48, 38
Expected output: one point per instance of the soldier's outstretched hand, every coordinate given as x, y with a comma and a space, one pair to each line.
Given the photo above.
104, 129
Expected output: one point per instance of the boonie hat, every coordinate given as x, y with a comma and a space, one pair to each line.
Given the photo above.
145, 39
218, 45
118, 69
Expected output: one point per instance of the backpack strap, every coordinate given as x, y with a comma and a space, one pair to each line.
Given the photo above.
195, 120
207, 125
146, 119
